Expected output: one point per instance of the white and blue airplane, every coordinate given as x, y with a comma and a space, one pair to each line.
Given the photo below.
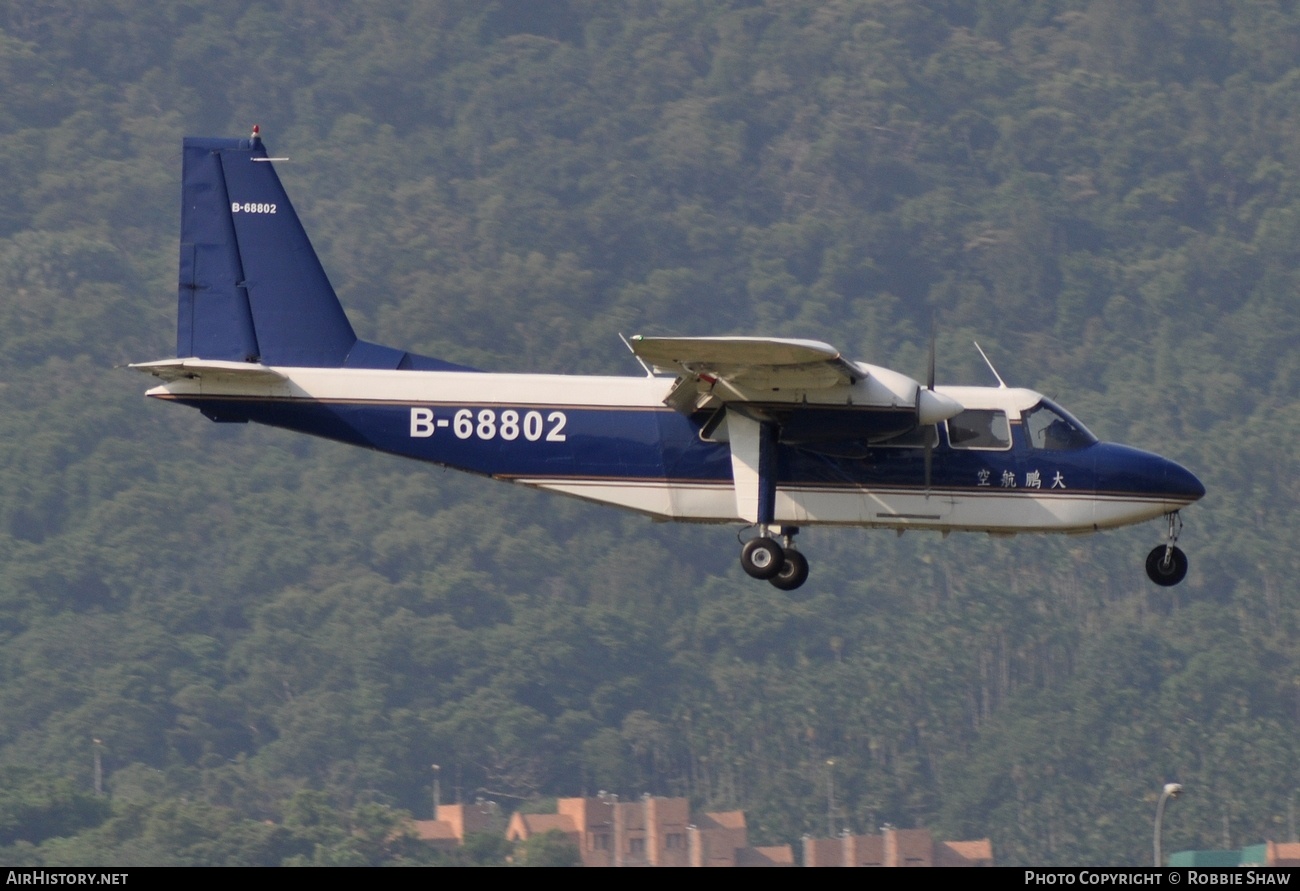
771, 433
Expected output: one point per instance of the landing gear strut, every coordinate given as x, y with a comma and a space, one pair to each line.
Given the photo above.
1167, 564
753, 470
763, 558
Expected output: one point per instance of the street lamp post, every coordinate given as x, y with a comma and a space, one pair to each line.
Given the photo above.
99, 766
830, 797
437, 788
1171, 790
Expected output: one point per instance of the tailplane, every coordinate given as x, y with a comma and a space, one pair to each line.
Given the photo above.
251, 287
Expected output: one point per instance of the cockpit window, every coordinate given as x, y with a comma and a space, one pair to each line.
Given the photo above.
979, 428
1053, 429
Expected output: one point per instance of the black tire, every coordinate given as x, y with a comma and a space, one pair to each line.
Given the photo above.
761, 558
794, 571
1166, 571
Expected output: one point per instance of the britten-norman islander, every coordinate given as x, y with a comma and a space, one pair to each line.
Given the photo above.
770, 433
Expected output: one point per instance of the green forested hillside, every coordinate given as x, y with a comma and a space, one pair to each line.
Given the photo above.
274, 638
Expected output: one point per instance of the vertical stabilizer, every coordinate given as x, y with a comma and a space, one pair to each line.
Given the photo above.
251, 286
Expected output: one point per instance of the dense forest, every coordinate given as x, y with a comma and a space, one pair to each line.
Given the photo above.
256, 644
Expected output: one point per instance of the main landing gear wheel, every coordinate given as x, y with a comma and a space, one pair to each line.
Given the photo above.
794, 571
1166, 565
762, 558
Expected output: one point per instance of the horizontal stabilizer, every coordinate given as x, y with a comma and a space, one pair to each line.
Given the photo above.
209, 370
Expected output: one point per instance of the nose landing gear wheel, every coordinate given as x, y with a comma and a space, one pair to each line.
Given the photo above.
1166, 565
794, 571
762, 558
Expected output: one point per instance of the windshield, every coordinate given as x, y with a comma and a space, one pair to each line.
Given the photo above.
1054, 429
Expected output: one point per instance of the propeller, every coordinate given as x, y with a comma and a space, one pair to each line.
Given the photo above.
932, 407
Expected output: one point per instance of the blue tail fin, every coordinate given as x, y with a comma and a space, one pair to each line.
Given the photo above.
251, 287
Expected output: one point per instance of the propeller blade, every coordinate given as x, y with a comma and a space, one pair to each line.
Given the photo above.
929, 375
929, 385
929, 454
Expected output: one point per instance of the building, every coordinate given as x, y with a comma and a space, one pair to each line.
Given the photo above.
447, 831
657, 831
650, 831
895, 847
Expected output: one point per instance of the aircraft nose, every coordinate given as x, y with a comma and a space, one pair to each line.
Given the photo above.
1122, 468
1182, 483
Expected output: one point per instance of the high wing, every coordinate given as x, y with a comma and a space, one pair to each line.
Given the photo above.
714, 371
753, 363
806, 386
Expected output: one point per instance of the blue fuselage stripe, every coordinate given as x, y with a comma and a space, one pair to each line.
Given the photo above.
640, 444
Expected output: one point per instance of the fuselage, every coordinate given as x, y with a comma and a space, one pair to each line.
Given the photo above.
1010, 462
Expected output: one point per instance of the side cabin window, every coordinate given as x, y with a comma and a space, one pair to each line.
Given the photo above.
979, 428
1051, 428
